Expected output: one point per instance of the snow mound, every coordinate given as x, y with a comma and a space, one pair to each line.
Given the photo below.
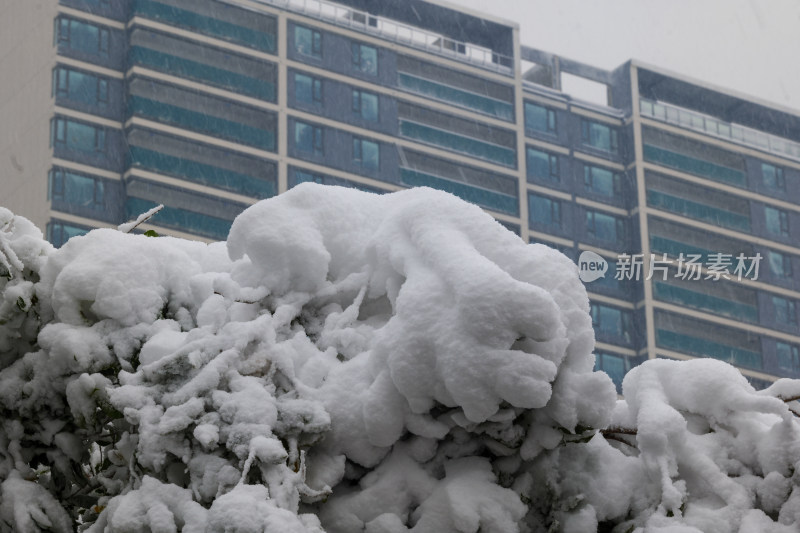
352, 362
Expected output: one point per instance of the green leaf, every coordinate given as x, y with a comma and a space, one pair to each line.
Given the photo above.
150, 233
21, 303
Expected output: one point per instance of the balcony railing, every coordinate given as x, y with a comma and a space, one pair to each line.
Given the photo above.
721, 129
398, 32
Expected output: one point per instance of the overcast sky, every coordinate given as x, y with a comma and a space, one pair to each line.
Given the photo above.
750, 46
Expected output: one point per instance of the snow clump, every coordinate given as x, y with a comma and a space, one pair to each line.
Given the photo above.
352, 362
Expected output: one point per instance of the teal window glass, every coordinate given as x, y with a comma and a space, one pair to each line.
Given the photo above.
366, 154
612, 321
602, 181
777, 221
83, 37
544, 210
80, 86
77, 135
788, 357
308, 138
365, 105
693, 165
780, 265
365, 58
307, 41
613, 365
773, 177
541, 164
600, 136
539, 118
785, 310
307, 89
453, 95
76, 189
60, 232
707, 348
180, 219
605, 227
490, 199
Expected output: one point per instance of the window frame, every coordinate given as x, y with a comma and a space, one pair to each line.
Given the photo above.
551, 119
777, 172
316, 42
316, 89
358, 104
586, 136
358, 153
359, 61
553, 164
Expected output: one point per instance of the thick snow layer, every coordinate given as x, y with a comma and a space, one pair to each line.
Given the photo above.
352, 362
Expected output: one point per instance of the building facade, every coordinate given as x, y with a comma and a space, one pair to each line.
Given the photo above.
207, 106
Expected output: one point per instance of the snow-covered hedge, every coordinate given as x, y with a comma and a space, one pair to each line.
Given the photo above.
350, 362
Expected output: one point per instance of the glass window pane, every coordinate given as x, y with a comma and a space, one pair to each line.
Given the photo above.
369, 106
303, 88
539, 118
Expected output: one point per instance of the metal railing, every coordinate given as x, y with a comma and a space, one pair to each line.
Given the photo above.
399, 32
718, 128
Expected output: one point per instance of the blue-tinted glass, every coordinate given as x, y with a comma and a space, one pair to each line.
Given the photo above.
599, 136
86, 38
601, 181
788, 357
366, 154
304, 88
79, 136
541, 164
602, 226
77, 189
307, 41
777, 221
58, 232
365, 59
308, 138
543, 210
538, 118
780, 265
785, 311
613, 365
773, 177
367, 105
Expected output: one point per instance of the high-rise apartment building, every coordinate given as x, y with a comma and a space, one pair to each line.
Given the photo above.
108, 108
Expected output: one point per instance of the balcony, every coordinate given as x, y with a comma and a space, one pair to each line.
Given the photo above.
717, 128
399, 32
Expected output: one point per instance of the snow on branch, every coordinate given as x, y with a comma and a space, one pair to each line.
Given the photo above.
348, 362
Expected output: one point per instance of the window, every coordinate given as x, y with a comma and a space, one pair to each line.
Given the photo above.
307, 41
365, 105
542, 164
602, 181
780, 265
76, 189
777, 221
600, 136
82, 36
308, 138
366, 154
611, 321
365, 59
77, 135
307, 89
539, 118
773, 177
544, 210
788, 357
605, 227
59, 232
613, 365
785, 310
79, 86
